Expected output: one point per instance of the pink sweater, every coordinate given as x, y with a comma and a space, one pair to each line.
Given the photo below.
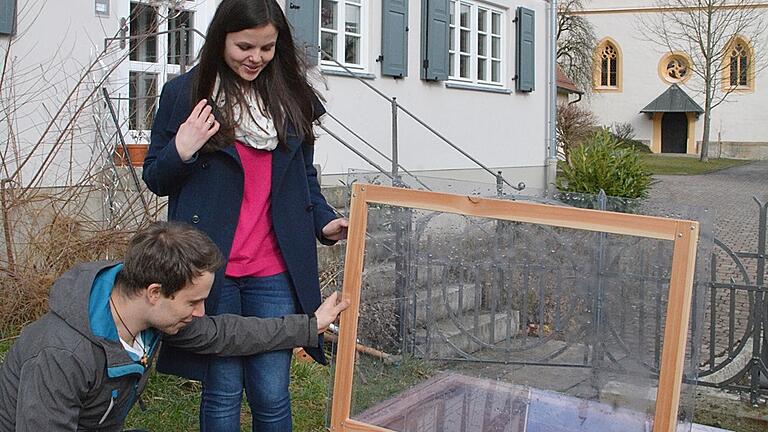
255, 251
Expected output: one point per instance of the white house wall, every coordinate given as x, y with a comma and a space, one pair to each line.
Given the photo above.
738, 120
503, 131
55, 42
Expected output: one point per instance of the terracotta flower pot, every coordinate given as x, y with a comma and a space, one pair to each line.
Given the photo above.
136, 152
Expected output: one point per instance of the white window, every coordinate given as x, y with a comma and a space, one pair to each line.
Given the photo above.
155, 57
475, 53
343, 32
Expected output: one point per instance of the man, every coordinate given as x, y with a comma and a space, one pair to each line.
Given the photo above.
83, 365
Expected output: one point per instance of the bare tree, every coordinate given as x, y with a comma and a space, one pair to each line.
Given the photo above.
706, 30
575, 43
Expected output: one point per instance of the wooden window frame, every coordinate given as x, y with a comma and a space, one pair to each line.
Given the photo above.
161, 68
341, 35
726, 70
597, 68
683, 233
455, 54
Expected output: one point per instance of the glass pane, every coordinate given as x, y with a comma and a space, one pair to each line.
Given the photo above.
143, 22
142, 94
604, 72
496, 47
496, 23
482, 44
743, 71
734, 71
352, 19
328, 43
178, 38
613, 71
451, 40
451, 66
484, 325
352, 50
482, 16
328, 14
464, 41
453, 12
464, 66
496, 71
464, 15
482, 69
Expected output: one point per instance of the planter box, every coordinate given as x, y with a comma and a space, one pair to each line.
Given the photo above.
136, 152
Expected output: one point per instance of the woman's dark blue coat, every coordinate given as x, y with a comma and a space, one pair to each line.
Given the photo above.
207, 191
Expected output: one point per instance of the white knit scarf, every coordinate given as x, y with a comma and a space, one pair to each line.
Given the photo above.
253, 128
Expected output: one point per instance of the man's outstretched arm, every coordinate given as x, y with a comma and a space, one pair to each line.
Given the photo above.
233, 335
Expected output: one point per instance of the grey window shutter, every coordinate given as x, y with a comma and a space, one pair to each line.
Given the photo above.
304, 17
7, 17
394, 38
434, 39
525, 54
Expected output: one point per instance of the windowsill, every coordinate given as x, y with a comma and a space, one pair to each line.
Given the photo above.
607, 89
477, 87
738, 89
341, 72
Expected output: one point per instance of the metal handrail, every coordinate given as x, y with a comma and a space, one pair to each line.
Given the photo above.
395, 165
397, 106
369, 145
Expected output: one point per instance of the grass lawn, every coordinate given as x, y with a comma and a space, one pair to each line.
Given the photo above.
686, 165
172, 404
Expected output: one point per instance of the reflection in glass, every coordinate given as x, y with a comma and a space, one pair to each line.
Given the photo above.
352, 19
464, 41
142, 94
328, 43
352, 50
143, 45
178, 20
328, 14
464, 66
464, 15
496, 23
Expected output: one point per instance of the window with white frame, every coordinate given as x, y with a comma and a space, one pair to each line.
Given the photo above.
161, 42
475, 52
343, 32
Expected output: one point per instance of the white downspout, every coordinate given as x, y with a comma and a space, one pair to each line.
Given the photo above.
551, 141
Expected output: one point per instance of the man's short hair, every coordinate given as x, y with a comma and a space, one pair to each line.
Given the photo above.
171, 254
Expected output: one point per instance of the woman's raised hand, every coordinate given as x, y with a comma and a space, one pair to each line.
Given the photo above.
199, 127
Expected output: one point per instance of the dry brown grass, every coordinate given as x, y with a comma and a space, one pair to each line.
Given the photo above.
45, 236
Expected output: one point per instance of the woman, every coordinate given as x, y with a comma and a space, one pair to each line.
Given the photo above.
232, 148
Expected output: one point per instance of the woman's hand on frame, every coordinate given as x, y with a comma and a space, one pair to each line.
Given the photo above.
199, 127
336, 229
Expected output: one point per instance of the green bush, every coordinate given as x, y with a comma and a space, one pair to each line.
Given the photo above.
602, 162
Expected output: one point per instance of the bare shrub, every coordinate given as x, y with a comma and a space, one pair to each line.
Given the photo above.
62, 198
623, 131
574, 125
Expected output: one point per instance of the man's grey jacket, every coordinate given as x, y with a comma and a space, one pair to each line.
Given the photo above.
69, 372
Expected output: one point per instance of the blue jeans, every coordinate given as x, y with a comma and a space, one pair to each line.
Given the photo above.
264, 376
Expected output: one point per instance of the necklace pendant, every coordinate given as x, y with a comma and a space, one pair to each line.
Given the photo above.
144, 360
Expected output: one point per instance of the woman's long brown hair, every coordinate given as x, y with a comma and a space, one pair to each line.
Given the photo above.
282, 85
